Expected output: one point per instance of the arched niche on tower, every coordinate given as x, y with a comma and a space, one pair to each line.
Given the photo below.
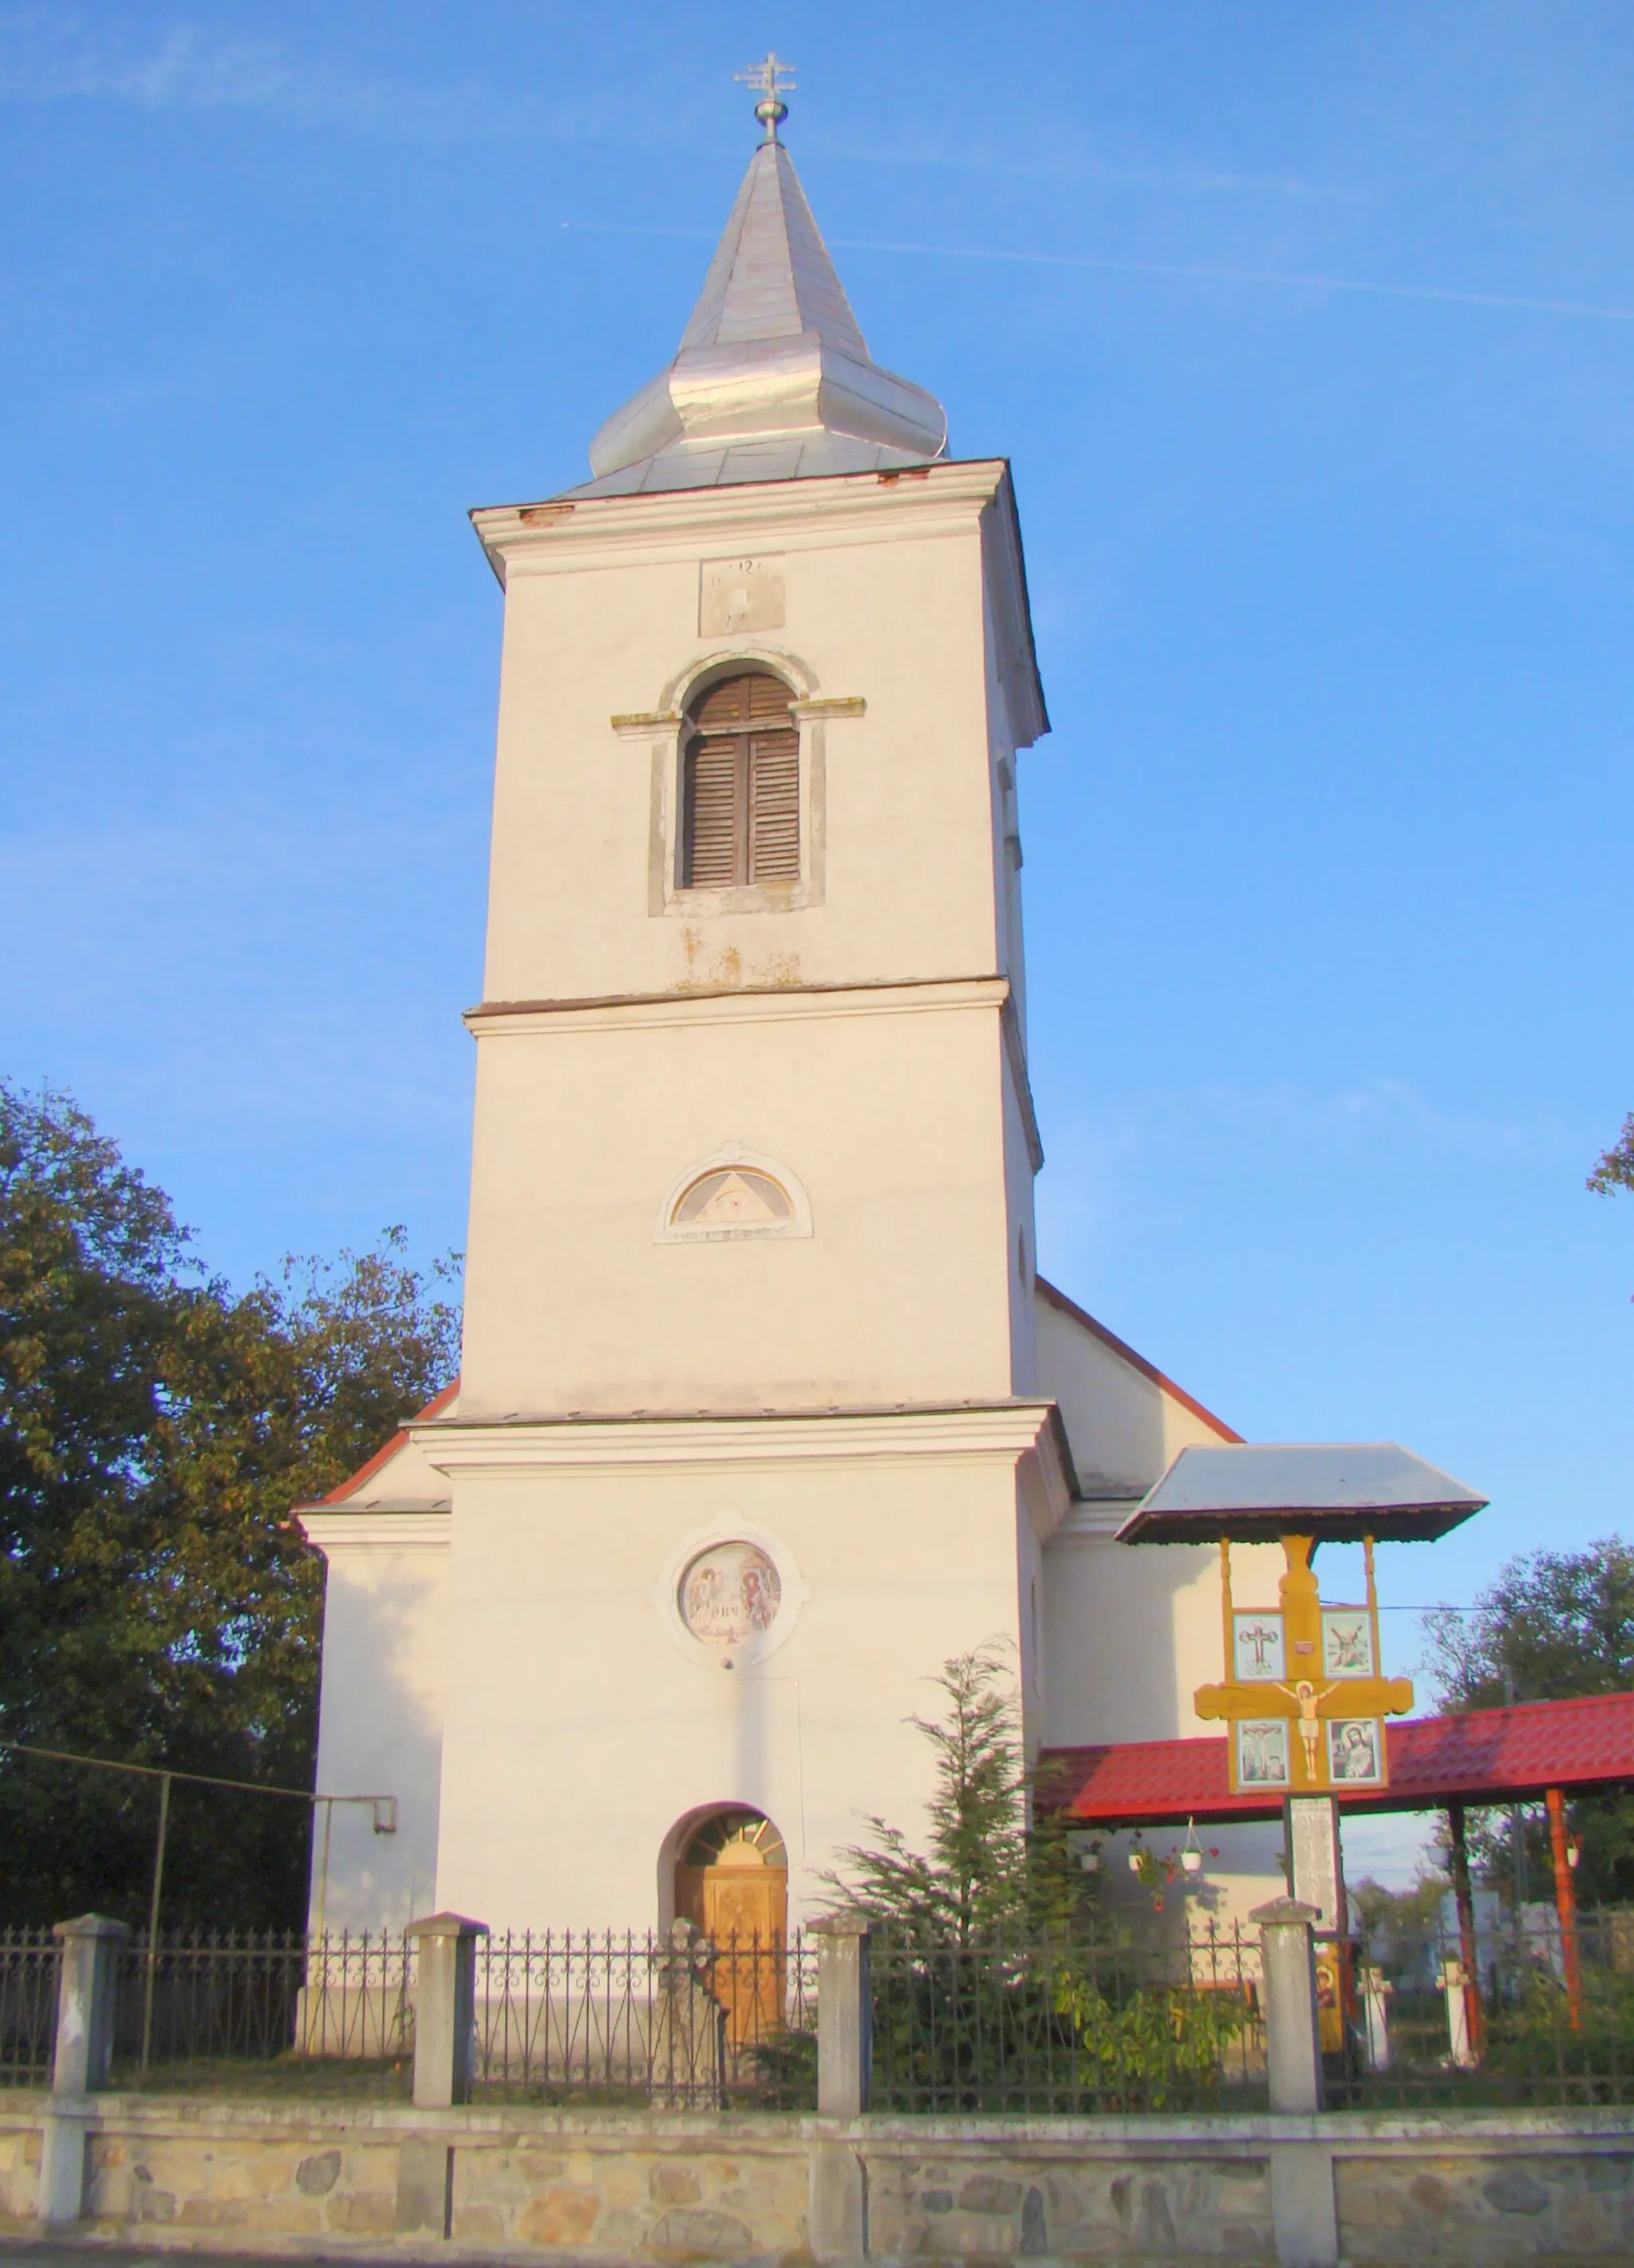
733, 1196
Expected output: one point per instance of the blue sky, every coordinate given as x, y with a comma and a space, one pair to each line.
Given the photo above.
1310, 333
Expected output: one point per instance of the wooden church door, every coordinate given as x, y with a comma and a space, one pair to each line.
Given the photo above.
734, 1883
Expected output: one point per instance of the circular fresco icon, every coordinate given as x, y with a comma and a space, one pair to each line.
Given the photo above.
729, 1595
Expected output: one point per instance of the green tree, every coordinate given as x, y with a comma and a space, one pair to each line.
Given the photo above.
1616, 1167
991, 1983
1554, 1624
156, 1605
986, 1869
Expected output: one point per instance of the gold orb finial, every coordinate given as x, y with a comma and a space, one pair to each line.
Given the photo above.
771, 81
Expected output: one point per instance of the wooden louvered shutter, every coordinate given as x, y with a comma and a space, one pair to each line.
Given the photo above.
712, 810
742, 788
775, 807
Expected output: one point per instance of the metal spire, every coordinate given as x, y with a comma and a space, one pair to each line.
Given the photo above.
773, 379
771, 81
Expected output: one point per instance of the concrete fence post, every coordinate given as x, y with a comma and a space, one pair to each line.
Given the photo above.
839, 2179
844, 2017
85, 2048
1304, 2211
444, 2009
84, 2003
1292, 2055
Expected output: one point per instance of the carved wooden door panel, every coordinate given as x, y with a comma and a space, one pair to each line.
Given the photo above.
745, 1917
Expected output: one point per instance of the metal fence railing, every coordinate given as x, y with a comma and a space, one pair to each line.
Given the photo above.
30, 1960
1128, 2016
620, 2018
1114, 2021
1516, 2011
265, 2011
679, 2020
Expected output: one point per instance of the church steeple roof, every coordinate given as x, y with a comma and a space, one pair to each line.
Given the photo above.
773, 379
772, 277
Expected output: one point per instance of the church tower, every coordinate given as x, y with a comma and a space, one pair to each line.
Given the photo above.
746, 1442
761, 1419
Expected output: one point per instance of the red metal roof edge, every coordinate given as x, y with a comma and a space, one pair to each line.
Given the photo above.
1059, 1298
437, 1403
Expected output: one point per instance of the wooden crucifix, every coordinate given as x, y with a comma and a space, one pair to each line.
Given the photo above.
1302, 1696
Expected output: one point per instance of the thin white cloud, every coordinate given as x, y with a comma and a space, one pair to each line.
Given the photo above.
47, 56
1180, 271
1064, 162
1445, 295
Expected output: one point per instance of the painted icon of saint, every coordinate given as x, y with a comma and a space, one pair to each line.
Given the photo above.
1356, 1751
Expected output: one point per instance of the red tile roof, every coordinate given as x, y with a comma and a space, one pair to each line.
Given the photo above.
1488, 1756
434, 1407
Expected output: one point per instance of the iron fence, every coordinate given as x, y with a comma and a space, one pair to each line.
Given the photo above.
30, 1960
265, 2011
561, 2016
676, 2020
1515, 2011
1129, 2017
1117, 2020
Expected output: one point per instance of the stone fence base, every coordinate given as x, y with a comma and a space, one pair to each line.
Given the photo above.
1391, 2189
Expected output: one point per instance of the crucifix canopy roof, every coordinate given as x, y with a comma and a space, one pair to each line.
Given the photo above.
1338, 1491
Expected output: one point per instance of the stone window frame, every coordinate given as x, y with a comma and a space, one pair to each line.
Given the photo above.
663, 731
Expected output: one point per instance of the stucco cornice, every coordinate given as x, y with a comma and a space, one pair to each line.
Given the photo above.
543, 537
334, 1529
1096, 1517
774, 1003
747, 1003
982, 1432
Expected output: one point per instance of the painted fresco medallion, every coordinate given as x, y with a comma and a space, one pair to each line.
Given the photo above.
729, 1595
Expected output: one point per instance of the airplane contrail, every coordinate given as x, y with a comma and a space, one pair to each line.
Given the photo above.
1435, 294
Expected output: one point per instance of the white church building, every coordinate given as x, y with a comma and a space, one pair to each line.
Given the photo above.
765, 1411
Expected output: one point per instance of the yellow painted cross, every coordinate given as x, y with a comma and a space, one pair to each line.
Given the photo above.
1302, 1697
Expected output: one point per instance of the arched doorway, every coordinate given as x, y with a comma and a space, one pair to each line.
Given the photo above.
732, 1880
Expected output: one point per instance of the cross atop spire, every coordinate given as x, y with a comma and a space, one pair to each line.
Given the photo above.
771, 81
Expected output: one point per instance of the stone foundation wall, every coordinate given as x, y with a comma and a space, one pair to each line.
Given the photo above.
1541, 2205
661, 2189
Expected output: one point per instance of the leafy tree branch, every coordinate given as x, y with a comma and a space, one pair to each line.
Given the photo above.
157, 1604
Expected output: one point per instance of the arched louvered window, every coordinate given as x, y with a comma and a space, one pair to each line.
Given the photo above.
741, 786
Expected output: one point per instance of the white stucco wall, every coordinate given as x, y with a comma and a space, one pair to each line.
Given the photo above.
887, 1108
381, 1720
579, 1730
